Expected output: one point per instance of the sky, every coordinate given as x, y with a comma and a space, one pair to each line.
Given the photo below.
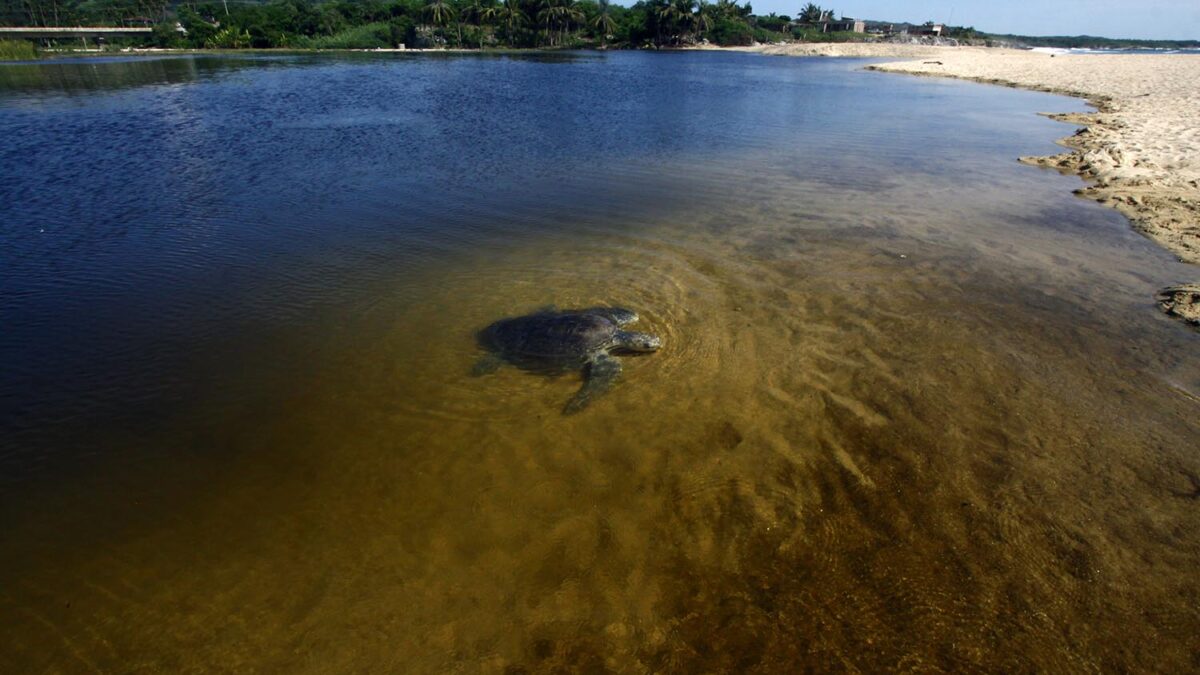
1142, 19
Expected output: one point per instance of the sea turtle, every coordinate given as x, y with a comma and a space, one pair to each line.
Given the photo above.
552, 341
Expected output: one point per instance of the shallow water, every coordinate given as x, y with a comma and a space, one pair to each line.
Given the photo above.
915, 409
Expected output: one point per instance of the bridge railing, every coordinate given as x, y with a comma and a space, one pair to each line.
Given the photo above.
73, 32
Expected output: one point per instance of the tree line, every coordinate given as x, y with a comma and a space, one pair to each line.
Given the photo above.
471, 24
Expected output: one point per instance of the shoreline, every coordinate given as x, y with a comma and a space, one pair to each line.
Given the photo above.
1103, 152
1157, 188
1139, 152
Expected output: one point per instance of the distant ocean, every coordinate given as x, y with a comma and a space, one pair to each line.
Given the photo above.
1059, 50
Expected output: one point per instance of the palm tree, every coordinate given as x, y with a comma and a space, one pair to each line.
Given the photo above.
458, 22
571, 14
811, 14
683, 10
483, 12
603, 22
556, 16
704, 19
676, 15
511, 15
546, 16
666, 17
439, 11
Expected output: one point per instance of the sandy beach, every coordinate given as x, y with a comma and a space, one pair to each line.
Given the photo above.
1140, 152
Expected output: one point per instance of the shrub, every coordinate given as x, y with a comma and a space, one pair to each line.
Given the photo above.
729, 33
403, 31
808, 34
165, 35
228, 38
776, 24
17, 50
367, 36
764, 35
199, 31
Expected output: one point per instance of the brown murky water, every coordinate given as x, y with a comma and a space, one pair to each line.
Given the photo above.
904, 422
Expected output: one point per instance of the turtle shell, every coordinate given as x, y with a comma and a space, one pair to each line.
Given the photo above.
550, 340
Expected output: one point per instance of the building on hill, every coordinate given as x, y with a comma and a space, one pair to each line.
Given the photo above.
829, 25
846, 25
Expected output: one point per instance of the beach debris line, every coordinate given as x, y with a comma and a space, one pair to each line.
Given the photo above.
552, 342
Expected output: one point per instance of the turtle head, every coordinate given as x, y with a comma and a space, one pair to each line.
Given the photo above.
627, 341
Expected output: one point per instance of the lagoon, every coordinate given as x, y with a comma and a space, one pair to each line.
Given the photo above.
891, 426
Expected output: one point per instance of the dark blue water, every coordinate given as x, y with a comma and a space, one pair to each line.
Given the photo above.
914, 407
144, 198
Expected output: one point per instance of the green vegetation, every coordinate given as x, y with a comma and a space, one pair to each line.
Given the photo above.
368, 36
812, 14
811, 35
366, 24
476, 24
17, 50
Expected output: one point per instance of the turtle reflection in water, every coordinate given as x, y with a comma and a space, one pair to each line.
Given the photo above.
552, 342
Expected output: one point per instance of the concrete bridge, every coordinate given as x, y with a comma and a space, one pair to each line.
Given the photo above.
75, 32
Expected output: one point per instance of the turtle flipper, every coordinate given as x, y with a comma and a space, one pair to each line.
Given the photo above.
602, 372
486, 365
